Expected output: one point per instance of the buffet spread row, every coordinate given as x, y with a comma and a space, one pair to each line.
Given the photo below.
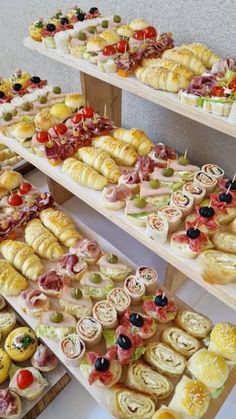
115, 324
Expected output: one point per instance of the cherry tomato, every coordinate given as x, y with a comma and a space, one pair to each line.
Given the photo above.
25, 187
88, 111
109, 50
122, 46
42, 137
217, 91
139, 35
150, 32
24, 379
232, 84
60, 129
15, 200
76, 118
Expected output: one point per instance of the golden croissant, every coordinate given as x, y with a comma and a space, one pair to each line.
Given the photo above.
61, 225
22, 257
135, 137
101, 161
122, 153
162, 79
6, 154
42, 241
11, 282
205, 54
168, 65
187, 58
84, 174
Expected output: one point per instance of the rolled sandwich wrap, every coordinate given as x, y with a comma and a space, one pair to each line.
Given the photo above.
120, 299
196, 190
33, 302
135, 288
194, 323
181, 341
164, 359
7, 322
213, 170
173, 216
73, 349
204, 179
105, 314
183, 201
128, 404
90, 331
149, 277
218, 267
157, 228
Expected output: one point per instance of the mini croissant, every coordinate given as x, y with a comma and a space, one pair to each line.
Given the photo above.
101, 161
122, 153
84, 174
42, 241
11, 282
168, 65
22, 257
162, 79
135, 137
61, 225
205, 54
187, 58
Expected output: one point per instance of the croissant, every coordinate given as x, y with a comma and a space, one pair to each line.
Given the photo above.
84, 174
205, 54
43, 242
168, 65
6, 154
11, 282
101, 161
61, 225
186, 57
10, 179
163, 79
122, 153
135, 137
22, 256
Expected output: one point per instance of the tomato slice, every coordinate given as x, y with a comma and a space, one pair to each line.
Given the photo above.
76, 118
139, 35
88, 111
60, 129
109, 50
232, 84
24, 379
150, 32
122, 46
217, 91
25, 187
15, 200
42, 137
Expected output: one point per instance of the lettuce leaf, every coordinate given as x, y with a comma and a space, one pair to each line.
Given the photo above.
217, 392
110, 337
138, 353
84, 366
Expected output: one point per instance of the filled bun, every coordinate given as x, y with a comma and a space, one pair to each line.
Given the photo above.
75, 100
125, 31
96, 44
110, 37
223, 340
138, 24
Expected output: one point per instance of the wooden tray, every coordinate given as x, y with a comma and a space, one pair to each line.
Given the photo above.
132, 85
100, 394
191, 268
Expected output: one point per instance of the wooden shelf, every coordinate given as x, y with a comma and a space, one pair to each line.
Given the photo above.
132, 85
190, 268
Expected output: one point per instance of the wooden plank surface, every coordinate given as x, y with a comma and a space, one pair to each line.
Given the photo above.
132, 85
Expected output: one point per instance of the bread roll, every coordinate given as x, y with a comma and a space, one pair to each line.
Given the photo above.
201, 51
181, 341
223, 340
22, 131
194, 323
42, 241
44, 120
101, 161
218, 267
84, 174
11, 282
122, 153
111, 37
225, 242
75, 101
10, 179
187, 58
163, 79
135, 137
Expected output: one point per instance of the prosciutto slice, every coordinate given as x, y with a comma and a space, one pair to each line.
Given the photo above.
8, 403
117, 193
130, 177
145, 165
53, 281
71, 263
202, 85
163, 152
86, 248
43, 357
34, 299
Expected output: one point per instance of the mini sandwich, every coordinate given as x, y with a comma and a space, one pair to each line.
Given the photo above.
138, 24
110, 37
23, 132
94, 46
209, 368
45, 120
75, 101
223, 341
61, 111
125, 31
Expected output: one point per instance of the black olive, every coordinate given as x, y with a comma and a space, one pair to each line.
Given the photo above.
64, 20
35, 79
17, 87
2, 94
225, 197
51, 27
231, 185
93, 10
193, 233
136, 320
206, 212
80, 16
102, 364
161, 301
124, 342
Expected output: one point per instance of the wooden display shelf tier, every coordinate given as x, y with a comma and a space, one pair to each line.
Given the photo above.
188, 267
167, 100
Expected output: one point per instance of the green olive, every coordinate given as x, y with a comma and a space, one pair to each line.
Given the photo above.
112, 258
7, 116
91, 29
117, 19
104, 24
139, 202
77, 293
184, 161
154, 183
95, 278
56, 89
168, 172
43, 99
56, 317
82, 36
26, 106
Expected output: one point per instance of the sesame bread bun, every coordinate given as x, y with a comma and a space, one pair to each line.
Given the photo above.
60, 111
45, 120
138, 24
75, 101
110, 37
125, 31
223, 340
96, 44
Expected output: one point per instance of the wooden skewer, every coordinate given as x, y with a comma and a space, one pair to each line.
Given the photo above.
105, 111
185, 153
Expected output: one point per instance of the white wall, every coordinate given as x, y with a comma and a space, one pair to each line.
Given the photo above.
209, 21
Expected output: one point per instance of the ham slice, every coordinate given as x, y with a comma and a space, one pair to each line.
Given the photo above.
68, 320
53, 281
132, 209
34, 299
119, 265
146, 190
157, 174
117, 193
179, 167
43, 357
86, 248
8, 403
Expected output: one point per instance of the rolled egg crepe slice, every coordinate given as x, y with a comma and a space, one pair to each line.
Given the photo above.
213, 170
181, 341
120, 299
90, 331
164, 359
74, 302
55, 327
7, 322
196, 190
225, 241
183, 201
2, 302
143, 378
194, 323
218, 267
157, 228
135, 288
129, 404
96, 285
149, 277
105, 314
111, 266
73, 349
204, 179
173, 216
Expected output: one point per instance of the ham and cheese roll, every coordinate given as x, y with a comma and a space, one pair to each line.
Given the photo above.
128, 404
111, 266
204, 179
88, 250
194, 323
163, 359
157, 228
180, 341
73, 349
51, 283
162, 153
7, 322
173, 216
135, 288
149, 277
119, 299
183, 201
44, 359
74, 302
96, 285
33, 302
213, 170
105, 314
90, 331
131, 179
72, 266
196, 190
114, 197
